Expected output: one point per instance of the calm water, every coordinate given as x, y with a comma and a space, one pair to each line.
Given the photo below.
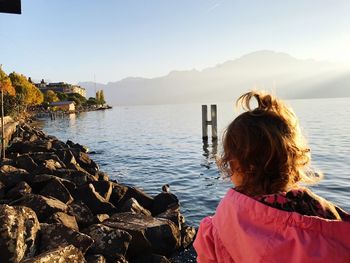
149, 146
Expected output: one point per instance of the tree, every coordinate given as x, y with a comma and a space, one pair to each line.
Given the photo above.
26, 92
50, 96
100, 98
77, 98
5, 84
62, 96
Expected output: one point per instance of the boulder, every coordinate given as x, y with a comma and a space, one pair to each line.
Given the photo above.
66, 156
10, 175
18, 191
82, 213
188, 235
78, 175
110, 242
43, 206
40, 157
84, 161
144, 199
95, 258
55, 235
118, 192
149, 235
100, 218
38, 182
134, 207
78, 146
104, 188
67, 254
48, 167
56, 189
30, 147
96, 203
174, 215
59, 145
26, 162
64, 219
2, 190
150, 258
101, 176
163, 202
18, 232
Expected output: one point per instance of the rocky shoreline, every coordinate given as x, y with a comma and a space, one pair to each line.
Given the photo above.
57, 206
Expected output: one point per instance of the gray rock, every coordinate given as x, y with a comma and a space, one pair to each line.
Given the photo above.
18, 231
26, 162
110, 242
67, 254
18, 191
77, 175
10, 175
48, 167
95, 258
64, 219
82, 213
118, 192
96, 203
144, 199
150, 258
188, 235
149, 235
174, 215
56, 189
134, 207
43, 206
104, 188
38, 182
55, 235
163, 202
66, 156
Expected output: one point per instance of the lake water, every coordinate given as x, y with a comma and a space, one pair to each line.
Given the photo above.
149, 146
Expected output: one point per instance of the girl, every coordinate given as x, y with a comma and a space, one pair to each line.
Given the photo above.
268, 216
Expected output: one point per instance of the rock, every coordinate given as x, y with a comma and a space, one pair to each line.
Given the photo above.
44, 207
101, 176
18, 231
150, 258
59, 145
2, 190
38, 182
10, 175
118, 192
82, 213
174, 215
134, 207
100, 218
56, 189
164, 201
78, 146
149, 235
108, 241
78, 176
29, 147
64, 219
26, 162
84, 161
188, 234
66, 156
55, 235
48, 167
18, 191
40, 157
67, 254
144, 199
95, 258
96, 203
104, 188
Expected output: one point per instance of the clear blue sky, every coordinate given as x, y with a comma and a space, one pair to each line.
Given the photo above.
73, 40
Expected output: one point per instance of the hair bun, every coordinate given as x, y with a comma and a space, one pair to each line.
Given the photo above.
265, 101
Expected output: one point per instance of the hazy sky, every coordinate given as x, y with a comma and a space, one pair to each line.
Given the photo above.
73, 40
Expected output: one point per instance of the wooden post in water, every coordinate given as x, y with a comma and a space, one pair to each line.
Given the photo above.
213, 122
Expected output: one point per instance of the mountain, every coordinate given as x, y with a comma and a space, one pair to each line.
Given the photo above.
287, 76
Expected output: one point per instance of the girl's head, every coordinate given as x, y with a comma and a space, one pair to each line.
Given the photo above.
264, 149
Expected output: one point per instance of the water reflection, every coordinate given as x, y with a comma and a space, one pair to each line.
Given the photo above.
209, 153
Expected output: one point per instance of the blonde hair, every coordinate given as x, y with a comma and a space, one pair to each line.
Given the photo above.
269, 146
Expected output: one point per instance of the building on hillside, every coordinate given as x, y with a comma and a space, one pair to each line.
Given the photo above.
64, 105
60, 87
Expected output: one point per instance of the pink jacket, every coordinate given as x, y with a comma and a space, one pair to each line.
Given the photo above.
245, 230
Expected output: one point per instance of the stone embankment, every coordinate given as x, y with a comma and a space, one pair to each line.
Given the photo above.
57, 206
